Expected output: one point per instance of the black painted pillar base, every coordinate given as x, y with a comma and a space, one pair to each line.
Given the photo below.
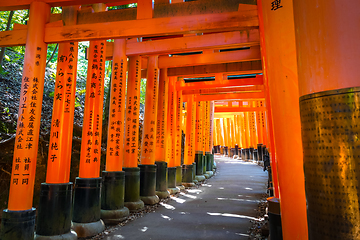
86, 207
237, 150
18, 224
209, 170
54, 212
132, 189
113, 210
243, 154
226, 151
199, 160
251, 153
209, 161
172, 181
260, 151
161, 180
179, 178
247, 154
148, 184
274, 219
212, 160
194, 172
187, 175
199, 163
205, 173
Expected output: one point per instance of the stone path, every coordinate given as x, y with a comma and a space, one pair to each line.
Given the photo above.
220, 209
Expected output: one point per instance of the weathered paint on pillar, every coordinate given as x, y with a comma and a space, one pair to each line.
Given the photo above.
172, 121
59, 156
178, 126
149, 127
92, 123
282, 70
115, 142
132, 113
161, 125
28, 124
190, 131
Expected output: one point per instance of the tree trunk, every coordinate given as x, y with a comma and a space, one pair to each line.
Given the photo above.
2, 51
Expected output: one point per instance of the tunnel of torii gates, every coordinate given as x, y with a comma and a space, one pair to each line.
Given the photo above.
280, 74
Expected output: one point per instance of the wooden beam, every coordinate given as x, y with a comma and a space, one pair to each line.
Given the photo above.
252, 67
251, 54
239, 109
7, 5
55, 32
236, 89
153, 27
223, 40
162, 10
233, 96
202, 86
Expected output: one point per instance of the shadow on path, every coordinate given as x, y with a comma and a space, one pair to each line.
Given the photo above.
220, 209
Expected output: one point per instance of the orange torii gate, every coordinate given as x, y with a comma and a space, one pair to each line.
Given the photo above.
280, 93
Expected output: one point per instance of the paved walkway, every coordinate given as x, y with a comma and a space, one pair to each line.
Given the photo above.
220, 209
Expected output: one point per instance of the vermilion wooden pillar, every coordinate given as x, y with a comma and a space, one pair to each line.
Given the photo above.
148, 167
188, 167
86, 213
328, 62
283, 88
178, 136
172, 136
268, 113
56, 192
113, 188
199, 143
27, 132
210, 139
161, 133
131, 147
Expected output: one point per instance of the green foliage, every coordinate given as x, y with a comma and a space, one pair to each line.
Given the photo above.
142, 90
131, 5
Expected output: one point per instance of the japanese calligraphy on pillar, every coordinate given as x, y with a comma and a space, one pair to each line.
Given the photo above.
178, 123
275, 5
161, 126
132, 113
198, 127
28, 126
115, 142
58, 168
151, 98
172, 122
205, 131
92, 122
211, 125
